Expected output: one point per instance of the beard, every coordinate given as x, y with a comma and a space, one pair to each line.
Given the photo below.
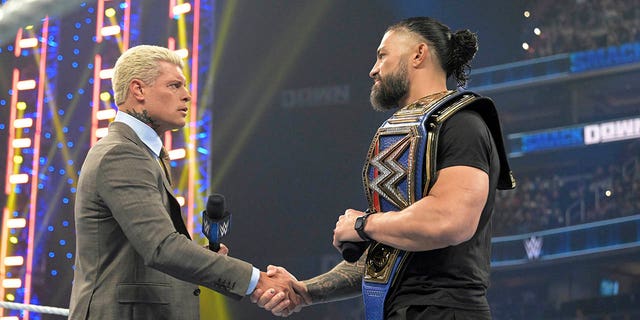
386, 94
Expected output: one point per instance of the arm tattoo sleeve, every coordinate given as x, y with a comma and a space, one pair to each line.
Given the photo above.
342, 282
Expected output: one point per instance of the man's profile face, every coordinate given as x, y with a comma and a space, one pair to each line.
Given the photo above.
166, 99
390, 72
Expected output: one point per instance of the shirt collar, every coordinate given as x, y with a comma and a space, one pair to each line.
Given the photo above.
148, 136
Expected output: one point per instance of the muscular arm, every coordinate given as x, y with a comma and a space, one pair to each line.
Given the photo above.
449, 215
344, 281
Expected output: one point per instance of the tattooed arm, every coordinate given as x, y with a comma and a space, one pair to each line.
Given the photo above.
342, 282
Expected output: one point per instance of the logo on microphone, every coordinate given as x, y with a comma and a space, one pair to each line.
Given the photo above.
223, 228
214, 230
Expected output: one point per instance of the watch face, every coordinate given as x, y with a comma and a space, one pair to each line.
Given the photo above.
358, 225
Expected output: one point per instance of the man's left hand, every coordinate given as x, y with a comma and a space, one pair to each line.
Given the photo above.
345, 228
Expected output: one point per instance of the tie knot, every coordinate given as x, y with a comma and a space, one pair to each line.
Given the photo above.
164, 154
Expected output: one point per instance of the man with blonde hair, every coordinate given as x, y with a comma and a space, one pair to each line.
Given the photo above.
134, 256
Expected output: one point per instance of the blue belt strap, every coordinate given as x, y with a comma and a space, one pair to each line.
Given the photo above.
374, 294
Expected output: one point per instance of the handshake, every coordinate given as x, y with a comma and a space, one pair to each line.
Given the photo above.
280, 292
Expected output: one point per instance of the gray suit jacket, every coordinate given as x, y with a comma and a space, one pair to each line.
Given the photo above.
134, 257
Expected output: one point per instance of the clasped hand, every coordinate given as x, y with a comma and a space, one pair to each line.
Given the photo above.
280, 292
344, 230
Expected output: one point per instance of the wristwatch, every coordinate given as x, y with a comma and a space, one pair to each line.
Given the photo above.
359, 226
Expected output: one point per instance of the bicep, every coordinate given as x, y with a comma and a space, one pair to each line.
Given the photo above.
463, 162
463, 191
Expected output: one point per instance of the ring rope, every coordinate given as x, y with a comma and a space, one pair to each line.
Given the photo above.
34, 308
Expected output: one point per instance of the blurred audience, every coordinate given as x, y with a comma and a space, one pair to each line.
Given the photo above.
550, 201
578, 25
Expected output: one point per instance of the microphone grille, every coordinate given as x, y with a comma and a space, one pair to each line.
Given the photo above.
215, 206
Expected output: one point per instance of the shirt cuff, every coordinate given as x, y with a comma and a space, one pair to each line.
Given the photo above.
255, 276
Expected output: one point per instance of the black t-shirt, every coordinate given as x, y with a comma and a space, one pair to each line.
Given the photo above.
455, 276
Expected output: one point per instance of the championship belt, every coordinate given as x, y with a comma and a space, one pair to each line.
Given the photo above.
400, 170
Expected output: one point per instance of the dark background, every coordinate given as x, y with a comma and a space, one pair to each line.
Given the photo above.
288, 172
285, 89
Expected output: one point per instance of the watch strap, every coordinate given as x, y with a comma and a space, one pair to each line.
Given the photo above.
363, 235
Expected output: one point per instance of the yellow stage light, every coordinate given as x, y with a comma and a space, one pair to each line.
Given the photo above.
105, 96
111, 12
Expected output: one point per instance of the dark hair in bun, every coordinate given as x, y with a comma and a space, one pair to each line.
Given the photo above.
454, 50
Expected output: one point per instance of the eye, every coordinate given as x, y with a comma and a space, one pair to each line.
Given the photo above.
175, 85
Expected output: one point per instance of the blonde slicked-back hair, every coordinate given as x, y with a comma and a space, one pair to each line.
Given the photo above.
140, 62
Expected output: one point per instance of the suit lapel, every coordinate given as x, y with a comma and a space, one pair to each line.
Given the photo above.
175, 213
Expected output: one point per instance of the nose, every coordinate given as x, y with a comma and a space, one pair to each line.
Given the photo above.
374, 71
187, 96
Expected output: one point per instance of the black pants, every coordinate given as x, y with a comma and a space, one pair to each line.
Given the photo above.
437, 313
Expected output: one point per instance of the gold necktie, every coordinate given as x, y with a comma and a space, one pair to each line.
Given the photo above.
164, 159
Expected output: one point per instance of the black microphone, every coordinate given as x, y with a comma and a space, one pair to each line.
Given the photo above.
215, 221
352, 251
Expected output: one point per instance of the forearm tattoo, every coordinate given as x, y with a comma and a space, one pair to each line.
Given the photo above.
342, 282
144, 117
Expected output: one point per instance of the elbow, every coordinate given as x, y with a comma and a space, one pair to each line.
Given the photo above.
463, 227
461, 237
157, 257
152, 259
456, 234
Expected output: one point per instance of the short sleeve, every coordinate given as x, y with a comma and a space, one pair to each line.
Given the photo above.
464, 140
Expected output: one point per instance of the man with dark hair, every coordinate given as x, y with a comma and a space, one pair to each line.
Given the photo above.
430, 179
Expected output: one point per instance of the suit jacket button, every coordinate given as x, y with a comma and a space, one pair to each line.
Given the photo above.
196, 292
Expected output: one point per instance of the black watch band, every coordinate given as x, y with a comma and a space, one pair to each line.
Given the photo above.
359, 226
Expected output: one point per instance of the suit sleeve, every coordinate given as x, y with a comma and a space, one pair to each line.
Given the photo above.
128, 185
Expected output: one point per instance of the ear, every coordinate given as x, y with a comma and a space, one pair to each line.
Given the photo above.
136, 89
420, 54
